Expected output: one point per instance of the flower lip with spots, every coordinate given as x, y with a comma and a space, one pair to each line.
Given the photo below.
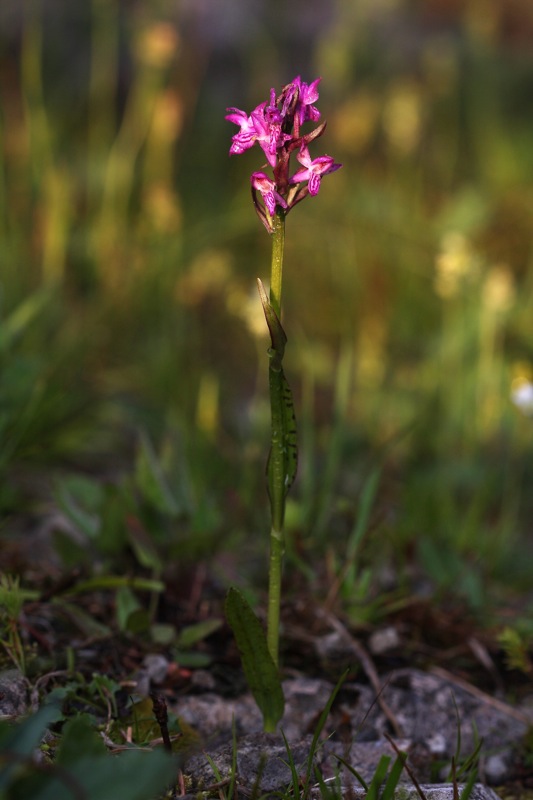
267, 189
313, 170
275, 127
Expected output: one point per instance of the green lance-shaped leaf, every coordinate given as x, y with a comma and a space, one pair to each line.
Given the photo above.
283, 458
261, 673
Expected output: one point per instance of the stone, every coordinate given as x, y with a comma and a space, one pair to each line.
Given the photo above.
496, 768
429, 709
443, 791
156, 667
13, 693
384, 639
261, 762
262, 765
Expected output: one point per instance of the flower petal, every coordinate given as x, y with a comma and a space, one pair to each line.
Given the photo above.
313, 170
267, 188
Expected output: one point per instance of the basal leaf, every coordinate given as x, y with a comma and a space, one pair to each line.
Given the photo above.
259, 668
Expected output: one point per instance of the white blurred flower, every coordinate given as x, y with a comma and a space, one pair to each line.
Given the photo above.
522, 395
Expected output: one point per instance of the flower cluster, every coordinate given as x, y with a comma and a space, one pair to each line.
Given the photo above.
275, 127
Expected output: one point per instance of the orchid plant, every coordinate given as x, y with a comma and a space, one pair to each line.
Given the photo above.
276, 126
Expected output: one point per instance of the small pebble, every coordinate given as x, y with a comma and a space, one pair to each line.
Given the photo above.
437, 744
13, 693
156, 667
496, 768
383, 640
202, 679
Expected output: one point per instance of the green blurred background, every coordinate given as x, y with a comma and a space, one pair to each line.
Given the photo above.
132, 340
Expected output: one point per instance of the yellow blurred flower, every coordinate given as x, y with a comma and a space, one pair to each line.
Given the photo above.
371, 357
247, 306
402, 116
355, 121
209, 273
455, 262
167, 119
162, 209
499, 289
157, 45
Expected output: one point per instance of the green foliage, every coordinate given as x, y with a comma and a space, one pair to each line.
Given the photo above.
81, 767
373, 792
517, 644
316, 737
526, 748
18, 743
152, 483
11, 602
188, 637
96, 696
465, 767
80, 499
36, 412
131, 616
353, 546
11, 598
101, 512
261, 673
140, 720
227, 794
192, 634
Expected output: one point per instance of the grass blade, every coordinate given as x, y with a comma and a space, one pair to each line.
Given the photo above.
378, 778
394, 777
320, 725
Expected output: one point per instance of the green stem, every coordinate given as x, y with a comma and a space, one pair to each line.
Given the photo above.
276, 269
277, 549
276, 480
277, 457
